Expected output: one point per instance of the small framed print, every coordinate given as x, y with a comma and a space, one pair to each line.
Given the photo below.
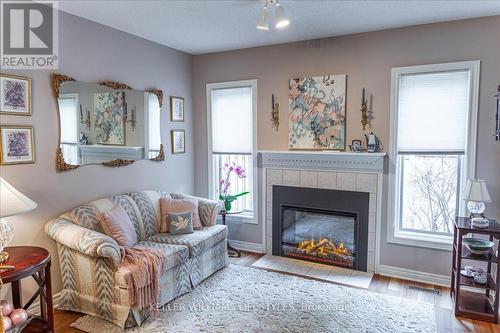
176, 108
15, 95
178, 141
16, 145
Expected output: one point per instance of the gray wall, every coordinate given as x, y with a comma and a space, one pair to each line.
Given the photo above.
91, 52
367, 60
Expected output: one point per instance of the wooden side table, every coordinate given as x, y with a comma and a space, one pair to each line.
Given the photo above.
35, 262
478, 305
236, 253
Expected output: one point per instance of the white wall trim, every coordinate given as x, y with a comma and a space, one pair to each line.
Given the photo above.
411, 275
247, 246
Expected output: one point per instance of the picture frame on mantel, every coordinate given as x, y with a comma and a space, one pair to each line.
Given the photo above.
15, 95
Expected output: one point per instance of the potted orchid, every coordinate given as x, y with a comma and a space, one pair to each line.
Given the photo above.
225, 184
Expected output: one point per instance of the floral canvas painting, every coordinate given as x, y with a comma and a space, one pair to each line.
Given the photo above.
317, 112
17, 145
15, 95
109, 118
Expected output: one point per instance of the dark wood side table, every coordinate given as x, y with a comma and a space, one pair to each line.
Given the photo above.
483, 304
35, 262
235, 253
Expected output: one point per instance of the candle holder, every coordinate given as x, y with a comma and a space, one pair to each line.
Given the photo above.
364, 110
275, 113
85, 120
497, 116
133, 120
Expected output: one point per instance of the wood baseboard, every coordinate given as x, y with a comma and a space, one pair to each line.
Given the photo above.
246, 246
411, 275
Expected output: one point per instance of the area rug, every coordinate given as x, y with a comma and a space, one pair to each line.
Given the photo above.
245, 299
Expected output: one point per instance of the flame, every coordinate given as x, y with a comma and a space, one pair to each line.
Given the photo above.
323, 247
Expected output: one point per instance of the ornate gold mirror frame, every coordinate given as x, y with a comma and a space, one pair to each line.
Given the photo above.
61, 165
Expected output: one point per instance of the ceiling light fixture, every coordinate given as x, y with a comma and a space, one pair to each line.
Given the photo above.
281, 20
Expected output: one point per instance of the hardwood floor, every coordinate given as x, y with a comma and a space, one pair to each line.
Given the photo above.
446, 321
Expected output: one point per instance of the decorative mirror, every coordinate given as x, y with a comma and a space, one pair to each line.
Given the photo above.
106, 123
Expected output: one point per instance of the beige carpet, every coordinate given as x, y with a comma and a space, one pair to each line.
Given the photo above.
245, 299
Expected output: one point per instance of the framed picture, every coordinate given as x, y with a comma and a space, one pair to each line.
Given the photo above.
109, 118
317, 112
17, 145
15, 95
176, 108
178, 141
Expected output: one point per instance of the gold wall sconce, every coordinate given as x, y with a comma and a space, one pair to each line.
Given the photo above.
364, 110
85, 120
275, 113
133, 120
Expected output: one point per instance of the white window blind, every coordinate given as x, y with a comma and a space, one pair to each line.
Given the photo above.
154, 123
433, 109
68, 112
232, 120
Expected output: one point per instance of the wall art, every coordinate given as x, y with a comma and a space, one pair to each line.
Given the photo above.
317, 112
178, 141
110, 109
176, 108
17, 145
15, 95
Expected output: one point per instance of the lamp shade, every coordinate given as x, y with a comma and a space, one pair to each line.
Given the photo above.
13, 202
476, 190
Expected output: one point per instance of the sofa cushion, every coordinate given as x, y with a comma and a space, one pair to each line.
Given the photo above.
175, 255
117, 225
197, 242
168, 206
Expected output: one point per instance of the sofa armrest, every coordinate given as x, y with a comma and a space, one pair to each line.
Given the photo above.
86, 241
208, 209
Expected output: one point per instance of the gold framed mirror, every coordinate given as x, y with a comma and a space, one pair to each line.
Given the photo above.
106, 123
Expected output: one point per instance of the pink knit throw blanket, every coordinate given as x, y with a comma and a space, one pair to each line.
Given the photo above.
143, 269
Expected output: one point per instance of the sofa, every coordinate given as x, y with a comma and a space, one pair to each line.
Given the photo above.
89, 259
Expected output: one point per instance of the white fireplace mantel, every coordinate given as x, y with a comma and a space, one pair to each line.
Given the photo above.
328, 160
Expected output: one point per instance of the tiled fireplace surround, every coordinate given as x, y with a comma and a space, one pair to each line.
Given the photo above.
361, 172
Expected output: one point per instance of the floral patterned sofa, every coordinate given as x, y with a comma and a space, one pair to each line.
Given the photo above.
89, 259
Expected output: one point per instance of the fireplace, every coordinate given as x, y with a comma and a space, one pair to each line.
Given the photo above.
325, 226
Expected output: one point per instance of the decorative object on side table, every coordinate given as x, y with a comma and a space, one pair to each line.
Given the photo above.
176, 108
364, 110
478, 245
35, 262
275, 113
477, 194
483, 303
497, 115
178, 141
16, 145
480, 276
317, 113
15, 95
12, 202
225, 184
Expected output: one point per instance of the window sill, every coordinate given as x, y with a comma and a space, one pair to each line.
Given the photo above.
247, 218
429, 241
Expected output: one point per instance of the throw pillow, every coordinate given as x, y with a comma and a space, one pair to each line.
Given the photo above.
180, 223
117, 225
168, 205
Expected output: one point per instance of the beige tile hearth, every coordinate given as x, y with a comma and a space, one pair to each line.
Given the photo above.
318, 271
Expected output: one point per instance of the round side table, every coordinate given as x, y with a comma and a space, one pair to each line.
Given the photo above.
35, 262
235, 253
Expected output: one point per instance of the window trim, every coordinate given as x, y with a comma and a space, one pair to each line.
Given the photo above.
245, 217
394, 235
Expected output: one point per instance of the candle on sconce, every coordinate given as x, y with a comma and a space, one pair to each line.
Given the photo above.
363, 96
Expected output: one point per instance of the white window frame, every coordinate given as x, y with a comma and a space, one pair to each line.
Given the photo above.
394, 235
244, 217
77, 120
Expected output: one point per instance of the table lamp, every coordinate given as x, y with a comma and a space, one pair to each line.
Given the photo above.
12, 202
477, 194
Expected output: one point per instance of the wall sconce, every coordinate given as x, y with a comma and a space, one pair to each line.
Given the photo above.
364, 110
275, 113
133, 120
85, 120
497, 116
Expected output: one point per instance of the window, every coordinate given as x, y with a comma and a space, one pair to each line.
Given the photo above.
232, 142
433, 130
154, 137
68, 113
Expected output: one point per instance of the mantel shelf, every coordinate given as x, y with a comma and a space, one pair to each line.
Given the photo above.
327, 160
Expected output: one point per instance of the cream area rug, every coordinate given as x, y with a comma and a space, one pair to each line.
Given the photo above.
245, 299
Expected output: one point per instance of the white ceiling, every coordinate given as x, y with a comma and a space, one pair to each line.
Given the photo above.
197, 26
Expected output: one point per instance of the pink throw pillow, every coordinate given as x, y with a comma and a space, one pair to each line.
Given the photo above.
168, 205
117, 225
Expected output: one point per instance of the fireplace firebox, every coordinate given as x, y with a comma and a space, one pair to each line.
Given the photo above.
320, 225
